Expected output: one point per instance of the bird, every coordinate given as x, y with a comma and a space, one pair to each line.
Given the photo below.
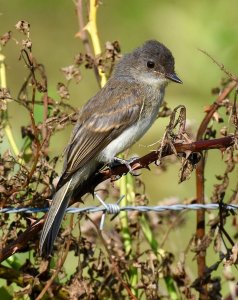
109, 123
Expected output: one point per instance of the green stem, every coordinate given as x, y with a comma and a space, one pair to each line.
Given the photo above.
7, 127
127, 190
92, 30
123, 216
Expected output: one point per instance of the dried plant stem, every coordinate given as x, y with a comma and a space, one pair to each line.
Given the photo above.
115, 267
227, 90
221, 66
200, 180
22, 240
200, 232
61, 262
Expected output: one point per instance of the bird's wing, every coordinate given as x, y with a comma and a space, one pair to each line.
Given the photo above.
95, 130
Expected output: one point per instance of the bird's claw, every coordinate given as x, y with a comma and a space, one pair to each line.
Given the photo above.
119, 161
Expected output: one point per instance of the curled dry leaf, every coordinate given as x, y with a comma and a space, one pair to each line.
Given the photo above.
165, 111
113, 50
5, 97
5, 38
79, 59
186, 170
27, 44
89, 61
23, 26
72, 72
233, 256
5, 94
63, 91
224, 131
234, 252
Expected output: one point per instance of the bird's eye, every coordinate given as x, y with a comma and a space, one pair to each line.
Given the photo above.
150, 64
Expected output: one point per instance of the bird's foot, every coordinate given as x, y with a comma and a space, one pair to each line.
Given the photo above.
119, 161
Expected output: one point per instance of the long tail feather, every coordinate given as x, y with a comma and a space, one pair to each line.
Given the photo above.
54, 218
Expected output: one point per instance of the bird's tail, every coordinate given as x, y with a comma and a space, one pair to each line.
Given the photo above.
54, 218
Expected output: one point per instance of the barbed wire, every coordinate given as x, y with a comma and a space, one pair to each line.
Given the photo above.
115, 208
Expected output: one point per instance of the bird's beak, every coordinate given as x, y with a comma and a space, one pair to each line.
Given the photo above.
173, 77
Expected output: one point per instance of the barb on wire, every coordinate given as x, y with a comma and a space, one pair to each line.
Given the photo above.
110, 208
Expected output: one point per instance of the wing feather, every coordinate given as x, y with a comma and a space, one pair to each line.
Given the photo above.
95, 130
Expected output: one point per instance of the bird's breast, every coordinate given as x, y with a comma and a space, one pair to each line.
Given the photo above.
132, 134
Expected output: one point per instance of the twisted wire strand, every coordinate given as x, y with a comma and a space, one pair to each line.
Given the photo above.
114, 208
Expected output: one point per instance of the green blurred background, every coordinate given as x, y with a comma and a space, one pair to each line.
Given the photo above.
183, 26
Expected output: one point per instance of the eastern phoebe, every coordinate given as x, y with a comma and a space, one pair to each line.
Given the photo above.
110, 122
